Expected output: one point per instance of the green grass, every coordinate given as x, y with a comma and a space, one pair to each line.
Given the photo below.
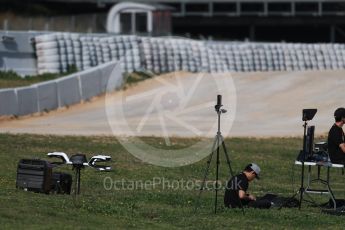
155, 208
10, 79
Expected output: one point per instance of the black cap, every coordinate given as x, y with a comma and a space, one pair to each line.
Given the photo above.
339, 113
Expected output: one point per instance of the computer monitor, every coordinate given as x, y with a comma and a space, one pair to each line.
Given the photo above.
308, 114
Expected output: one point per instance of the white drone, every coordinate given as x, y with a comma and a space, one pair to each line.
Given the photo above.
91, 163
79, 161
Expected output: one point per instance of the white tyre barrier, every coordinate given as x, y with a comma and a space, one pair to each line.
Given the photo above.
48, 59
170, 54
45, 52
48, 65
47, 45
43, 71
46, 38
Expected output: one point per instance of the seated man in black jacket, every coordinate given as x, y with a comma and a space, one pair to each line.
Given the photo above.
236, 194
336, 139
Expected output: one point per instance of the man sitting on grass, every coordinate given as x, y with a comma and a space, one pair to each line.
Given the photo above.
236, 194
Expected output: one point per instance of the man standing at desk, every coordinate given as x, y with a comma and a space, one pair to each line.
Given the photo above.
336, 138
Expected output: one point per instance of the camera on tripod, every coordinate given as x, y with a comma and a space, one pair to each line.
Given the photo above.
218, 106
217, 143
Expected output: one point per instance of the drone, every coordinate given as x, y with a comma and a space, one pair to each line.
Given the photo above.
78, 162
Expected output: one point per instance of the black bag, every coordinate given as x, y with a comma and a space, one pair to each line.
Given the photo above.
279, 201
338, 202
34, 175
61, 183
285, 202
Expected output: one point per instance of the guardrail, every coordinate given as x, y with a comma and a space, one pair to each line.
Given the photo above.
61, 92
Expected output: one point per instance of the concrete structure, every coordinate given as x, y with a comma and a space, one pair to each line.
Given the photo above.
138, 18
69, 92
47, 94
8, 102
17, 52
27, 98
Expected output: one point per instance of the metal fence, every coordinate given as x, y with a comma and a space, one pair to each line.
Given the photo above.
61, 92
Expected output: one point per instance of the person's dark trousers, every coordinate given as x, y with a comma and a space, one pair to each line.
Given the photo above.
339, 161
262, 204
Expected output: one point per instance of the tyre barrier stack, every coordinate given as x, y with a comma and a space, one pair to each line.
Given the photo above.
100, 56
125, 49
48, 55
161, 55
246, 57
62, 92
57, 51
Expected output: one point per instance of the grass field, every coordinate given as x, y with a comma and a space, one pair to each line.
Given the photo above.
154, 208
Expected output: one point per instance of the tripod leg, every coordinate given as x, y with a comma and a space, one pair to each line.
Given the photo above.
227, 157
205, 174
217, 175
301, 190
288, 200
78, 181
229, 165
332, 196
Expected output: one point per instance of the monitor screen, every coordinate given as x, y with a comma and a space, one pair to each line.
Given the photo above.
309, 143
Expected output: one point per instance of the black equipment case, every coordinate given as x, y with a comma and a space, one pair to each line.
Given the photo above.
34, 175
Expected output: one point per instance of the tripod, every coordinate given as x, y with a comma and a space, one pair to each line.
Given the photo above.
307, 115
218, 140
78, 161
77, 179
302, 189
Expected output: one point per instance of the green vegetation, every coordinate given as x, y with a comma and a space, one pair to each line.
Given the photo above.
135, 77
10, 79
155, 208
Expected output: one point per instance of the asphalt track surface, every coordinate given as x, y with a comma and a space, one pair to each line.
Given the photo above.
260, 104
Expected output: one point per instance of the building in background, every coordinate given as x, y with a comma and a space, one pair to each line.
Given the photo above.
255, 20
139, 18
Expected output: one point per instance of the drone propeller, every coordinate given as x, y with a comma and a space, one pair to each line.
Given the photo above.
98, 159
60, 155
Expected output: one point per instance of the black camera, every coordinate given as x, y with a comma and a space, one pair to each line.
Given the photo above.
219, 105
